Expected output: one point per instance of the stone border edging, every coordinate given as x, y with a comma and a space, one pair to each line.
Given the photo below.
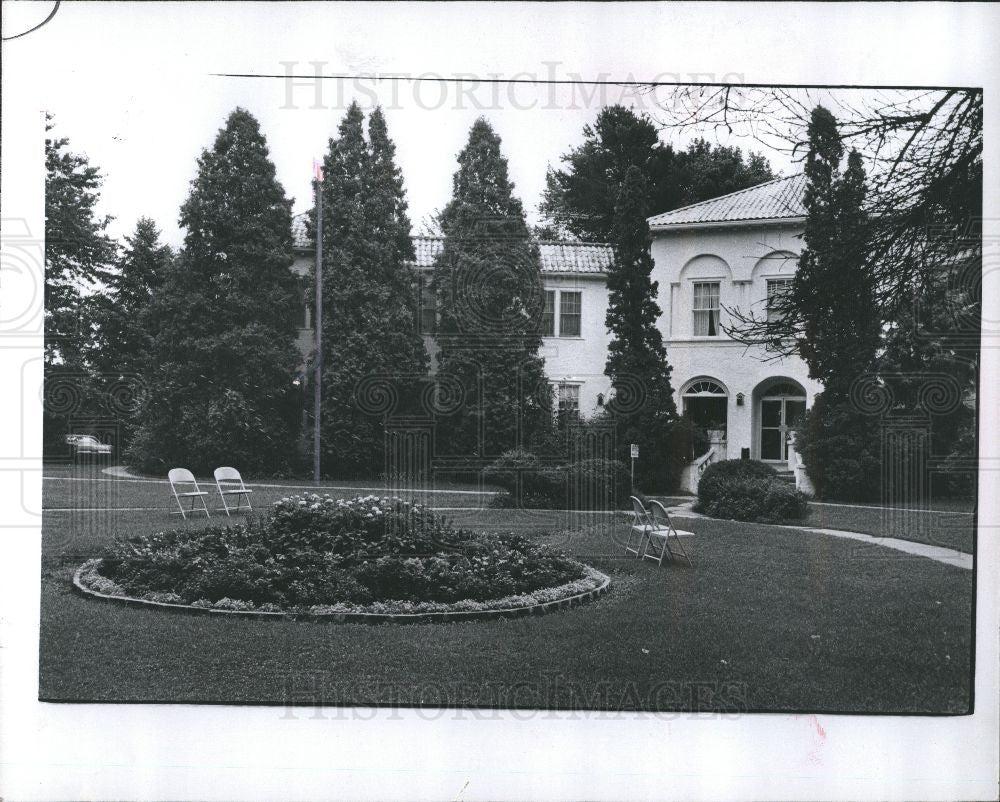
360, 618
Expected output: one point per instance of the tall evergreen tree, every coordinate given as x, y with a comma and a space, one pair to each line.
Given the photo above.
580, 198
838, 325
223, 322
78, 256
489, 290
371, 347
832, 286
122, 348
643, 407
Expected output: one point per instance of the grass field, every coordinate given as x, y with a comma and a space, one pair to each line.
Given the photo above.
951, 529
767, 619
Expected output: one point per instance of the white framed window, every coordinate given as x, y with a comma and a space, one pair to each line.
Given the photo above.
568, 396
549, 314
426, 305
776, 289
562, 313
706, 309
301, 292
570, 308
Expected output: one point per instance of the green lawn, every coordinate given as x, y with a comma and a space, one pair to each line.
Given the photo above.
767, 619
952, 529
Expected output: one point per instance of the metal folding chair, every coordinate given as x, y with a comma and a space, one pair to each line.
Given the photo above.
230, 483
182, 476
640, 526
661, 530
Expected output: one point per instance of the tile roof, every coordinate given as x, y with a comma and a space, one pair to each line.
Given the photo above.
575, 257
300, 238
557, 256
772, 200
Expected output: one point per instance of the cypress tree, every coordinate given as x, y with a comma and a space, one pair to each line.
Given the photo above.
121, 348
372, 350
489, 290
223, 322
840, 329
643, 406
832, 287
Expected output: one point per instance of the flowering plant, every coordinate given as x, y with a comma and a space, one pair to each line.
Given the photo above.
317, 550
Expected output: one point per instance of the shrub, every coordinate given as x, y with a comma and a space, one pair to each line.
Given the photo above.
840, 447
585, 485
314, 550
598, 484
756, 499
747, 490
719, 474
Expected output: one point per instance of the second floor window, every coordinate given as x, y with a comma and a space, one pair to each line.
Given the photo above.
776, 288
426, 305
549, 314
706, 309
569, 314
305, 319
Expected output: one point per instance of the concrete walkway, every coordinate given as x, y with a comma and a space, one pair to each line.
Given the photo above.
959, 559
120, 472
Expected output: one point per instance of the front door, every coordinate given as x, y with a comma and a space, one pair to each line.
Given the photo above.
778, 416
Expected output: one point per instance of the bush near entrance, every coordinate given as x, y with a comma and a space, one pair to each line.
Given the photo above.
748, 490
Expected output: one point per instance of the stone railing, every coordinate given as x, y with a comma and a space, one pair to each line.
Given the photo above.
692, 473
802, 481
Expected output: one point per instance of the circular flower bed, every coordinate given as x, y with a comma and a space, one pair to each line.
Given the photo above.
318, 555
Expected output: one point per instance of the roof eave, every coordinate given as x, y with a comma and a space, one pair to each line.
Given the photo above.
578, 273
762, 221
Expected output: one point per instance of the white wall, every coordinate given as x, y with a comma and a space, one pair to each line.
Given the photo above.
580, 360
741, 258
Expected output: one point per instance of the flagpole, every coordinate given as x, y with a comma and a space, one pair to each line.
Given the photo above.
318, 378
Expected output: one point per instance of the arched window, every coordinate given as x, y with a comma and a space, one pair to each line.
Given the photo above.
704, 387
784, 389
706, 402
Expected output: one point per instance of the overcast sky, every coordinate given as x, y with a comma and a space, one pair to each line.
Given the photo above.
132, 87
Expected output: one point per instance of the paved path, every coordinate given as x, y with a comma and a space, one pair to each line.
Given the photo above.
121, 473
959, 559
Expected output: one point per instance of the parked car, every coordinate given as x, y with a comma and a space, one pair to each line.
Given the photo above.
86, 445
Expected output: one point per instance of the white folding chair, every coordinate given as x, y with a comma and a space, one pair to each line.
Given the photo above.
640, 527
182, 477
661, 530
230, 483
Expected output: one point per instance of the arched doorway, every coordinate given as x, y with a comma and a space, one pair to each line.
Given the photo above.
706, 402
782, 405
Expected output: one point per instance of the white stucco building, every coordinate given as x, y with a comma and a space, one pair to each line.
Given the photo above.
731, 251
